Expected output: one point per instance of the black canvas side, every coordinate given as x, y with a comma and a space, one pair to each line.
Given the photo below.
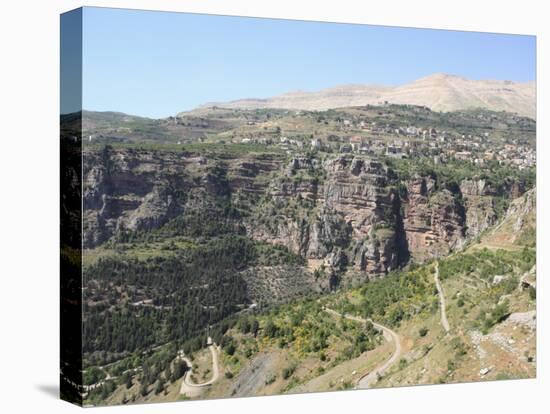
71, 387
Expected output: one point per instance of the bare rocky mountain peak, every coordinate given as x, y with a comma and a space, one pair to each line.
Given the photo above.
439, 92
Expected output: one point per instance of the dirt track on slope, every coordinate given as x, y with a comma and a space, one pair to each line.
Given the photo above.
389, 335
442, 303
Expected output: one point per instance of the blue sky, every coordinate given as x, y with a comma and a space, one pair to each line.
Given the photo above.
157, 64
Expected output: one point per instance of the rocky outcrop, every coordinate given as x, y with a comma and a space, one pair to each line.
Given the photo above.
250, 176
434, 221
480, 215
521, 216
473, 188
522, 210
353, 216
134, 190
517, 226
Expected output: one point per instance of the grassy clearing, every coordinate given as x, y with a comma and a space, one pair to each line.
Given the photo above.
140, 251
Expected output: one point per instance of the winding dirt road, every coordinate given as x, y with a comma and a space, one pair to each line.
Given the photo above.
389, 336
442, 303
190, 388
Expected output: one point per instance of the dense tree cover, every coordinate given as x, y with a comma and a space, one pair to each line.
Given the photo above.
307, 329
133, 304
215, 218
397, 296
485, 263
157, 369
449, 174
93, 375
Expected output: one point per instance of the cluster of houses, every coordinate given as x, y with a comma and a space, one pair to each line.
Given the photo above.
285, 143
413, 141
410, 142
439, 145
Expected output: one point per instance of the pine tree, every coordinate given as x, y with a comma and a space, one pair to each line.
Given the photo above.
160, 387
143, 390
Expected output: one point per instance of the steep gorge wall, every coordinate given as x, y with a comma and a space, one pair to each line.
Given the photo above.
348, 212
344, 211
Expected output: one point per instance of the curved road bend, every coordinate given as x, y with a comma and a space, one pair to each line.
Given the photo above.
389, 335
442, 304
188, 382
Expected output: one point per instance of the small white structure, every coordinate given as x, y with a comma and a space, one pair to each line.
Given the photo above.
315, 143
497, 279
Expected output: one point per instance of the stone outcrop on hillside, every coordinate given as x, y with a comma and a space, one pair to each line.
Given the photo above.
517, 225
478, 202
522, 212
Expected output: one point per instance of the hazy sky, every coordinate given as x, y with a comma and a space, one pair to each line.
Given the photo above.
157, 64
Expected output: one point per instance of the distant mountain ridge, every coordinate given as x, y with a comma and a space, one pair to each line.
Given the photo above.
439, 92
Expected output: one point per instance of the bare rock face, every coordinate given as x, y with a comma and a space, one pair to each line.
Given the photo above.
328, 230
480, 215
518, 225
137, 190
440, 92
479, 205
521, 212
379, 252
433, 221
155, 208
355, 215
470, 188
358, 190
352, 219
344, 211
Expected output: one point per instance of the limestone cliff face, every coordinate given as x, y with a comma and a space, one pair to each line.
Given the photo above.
434, 221
344, 211
358, 190
479, 205
341, 210
518, 224
521, 215
140, 190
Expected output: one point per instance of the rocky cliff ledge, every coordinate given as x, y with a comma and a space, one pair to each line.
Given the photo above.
343, 211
